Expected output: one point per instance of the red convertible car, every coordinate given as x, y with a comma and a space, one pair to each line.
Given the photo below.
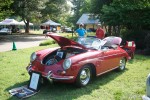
77, 62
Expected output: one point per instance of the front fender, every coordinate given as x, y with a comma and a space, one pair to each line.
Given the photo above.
75, 68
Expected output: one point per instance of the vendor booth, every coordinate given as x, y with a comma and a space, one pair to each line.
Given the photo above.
9, 24
51, 26
12, 25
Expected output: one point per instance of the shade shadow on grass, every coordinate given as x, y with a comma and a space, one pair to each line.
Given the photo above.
15, 86
63, 91
138, 58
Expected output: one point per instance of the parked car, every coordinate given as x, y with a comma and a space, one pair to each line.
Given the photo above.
5, 31
67, 30
45, 31
78, 62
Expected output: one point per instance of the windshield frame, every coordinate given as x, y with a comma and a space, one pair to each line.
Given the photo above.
90, 42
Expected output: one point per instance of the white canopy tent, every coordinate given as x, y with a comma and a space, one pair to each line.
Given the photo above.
22, 23
12, 22
50, 22
9, 22
13, 25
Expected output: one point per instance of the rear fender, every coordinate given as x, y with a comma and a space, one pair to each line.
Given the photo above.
129, 47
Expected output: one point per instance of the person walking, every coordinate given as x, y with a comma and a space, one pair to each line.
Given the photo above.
100, 32
81, 31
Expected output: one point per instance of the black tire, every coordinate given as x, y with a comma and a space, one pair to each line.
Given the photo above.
84, 76
122, 64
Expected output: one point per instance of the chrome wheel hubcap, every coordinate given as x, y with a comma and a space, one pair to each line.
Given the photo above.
85, 76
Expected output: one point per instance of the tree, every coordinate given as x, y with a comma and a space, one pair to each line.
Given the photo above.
96, 5
129, 19
28, 9
80, 7
96, 8
5, 8
54, 9
132, 14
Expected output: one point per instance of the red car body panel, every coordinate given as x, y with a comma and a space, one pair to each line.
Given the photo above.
102, 61
62, 42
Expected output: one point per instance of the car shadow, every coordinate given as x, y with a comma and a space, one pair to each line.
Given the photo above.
65, 91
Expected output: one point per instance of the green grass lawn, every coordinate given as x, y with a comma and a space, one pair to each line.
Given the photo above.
127, 85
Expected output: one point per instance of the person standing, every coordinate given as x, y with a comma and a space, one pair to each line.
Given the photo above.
81, 31
100, 32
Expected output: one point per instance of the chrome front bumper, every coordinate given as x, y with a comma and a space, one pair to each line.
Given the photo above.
50, 76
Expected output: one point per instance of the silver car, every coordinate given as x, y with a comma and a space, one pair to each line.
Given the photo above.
5, 31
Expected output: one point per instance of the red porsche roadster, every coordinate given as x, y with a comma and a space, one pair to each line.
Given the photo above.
77, 62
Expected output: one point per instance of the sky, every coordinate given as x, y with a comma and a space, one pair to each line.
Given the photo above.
69, 3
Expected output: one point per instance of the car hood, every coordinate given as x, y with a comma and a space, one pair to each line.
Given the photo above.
62, 41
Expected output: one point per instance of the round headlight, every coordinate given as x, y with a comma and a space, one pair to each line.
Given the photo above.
33, 56
67, 64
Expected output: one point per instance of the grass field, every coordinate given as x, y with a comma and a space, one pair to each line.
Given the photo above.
127, 85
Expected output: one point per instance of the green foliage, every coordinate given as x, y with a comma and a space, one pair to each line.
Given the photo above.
136, 35
133, 14
55, 10
5, 9
28, 9
47, 42
80, 7
147, 43
65, 19
96, 5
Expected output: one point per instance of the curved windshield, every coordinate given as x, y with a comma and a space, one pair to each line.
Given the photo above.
90, 42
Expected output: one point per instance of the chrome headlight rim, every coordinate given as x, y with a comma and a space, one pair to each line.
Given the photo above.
32, 57
67, 64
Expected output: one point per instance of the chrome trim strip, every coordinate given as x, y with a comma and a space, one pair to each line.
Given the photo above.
113, 55
100, 58
50, 77
107, 71
71, 77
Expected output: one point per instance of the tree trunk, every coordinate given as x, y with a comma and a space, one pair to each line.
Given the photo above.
27, 26
119, 28
109, 30
114, 31
106, 28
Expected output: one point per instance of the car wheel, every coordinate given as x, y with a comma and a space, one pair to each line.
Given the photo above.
122, 64
84, 76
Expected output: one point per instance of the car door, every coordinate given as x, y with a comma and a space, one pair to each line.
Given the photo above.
108, 60
111, 59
